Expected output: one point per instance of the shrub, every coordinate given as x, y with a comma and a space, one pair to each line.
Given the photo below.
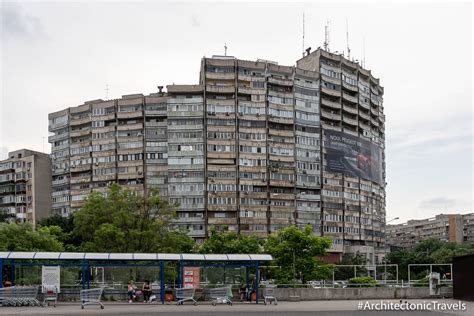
362, 282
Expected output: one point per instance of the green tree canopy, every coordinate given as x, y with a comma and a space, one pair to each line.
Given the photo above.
427, 251
231, 242
296, 251
125, 221
22, 237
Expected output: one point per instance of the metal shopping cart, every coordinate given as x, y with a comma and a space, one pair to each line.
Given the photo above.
220, 295
91, 296
50, 294
269, 294
185, 294
19, 296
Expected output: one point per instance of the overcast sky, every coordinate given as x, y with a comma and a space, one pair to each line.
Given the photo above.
56, 55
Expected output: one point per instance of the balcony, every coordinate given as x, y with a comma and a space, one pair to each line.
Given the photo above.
222, 207
349, 109
172, 114
350, 87
83, 179
129, 115
282, 183
220, 89
56, 137
80, 121
308, 197
189, 220
80, 132
129, 127
374, 122
349, 121
163, 124
330, 104
281, 82
365, 116
220, 75
280, 120
349, 98
331, 92
329, 115
222, 221
248, 90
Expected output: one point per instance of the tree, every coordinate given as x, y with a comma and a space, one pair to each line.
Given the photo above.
231, 242
22, 237
427, 251
296, 251
125, 221
71, 242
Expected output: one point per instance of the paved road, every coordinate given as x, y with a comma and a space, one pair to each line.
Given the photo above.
320, 308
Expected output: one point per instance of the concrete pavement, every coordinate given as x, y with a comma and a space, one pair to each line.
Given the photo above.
323, 308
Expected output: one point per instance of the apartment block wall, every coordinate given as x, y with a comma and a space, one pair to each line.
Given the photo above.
25, 186
442, 227
243, 150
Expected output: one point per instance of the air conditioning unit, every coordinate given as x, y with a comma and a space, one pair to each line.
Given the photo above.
226, 113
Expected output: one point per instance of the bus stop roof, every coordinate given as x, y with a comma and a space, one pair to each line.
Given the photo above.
131, 256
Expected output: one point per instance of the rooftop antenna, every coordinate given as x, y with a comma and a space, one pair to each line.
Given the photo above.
106, 91
303, 35
347, 38
326, 36
225, 49
363, 56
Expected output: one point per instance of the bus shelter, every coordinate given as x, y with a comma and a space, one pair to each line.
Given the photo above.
90, 268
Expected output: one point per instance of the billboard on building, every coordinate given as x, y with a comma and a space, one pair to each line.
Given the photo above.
353, 156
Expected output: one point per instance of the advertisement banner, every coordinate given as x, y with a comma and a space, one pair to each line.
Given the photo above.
192, 277
50, 278
353, 156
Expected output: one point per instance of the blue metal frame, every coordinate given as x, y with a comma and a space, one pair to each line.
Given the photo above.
86, 265
246, 264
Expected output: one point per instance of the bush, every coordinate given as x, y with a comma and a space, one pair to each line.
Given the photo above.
362, 282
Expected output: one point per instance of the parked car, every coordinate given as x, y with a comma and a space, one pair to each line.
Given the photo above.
315, 284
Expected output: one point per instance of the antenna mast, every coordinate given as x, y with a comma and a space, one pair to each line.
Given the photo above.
303, 35
363, 56
326, 36
347, 38
225, 49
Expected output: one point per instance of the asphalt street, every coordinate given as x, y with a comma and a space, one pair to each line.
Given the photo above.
322, 308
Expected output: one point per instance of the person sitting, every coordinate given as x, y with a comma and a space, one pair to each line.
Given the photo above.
146, 290
242, 291
131, 291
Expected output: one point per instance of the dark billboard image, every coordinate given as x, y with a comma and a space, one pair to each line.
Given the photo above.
353, 156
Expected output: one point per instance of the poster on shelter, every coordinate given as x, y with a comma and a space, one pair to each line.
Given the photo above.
353, 156
50, 278
192, 277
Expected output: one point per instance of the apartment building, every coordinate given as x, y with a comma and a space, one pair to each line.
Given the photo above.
468, 222
25, 186
253, 148
442, 227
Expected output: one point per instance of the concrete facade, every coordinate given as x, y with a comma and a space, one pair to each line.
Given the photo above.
442, 227
25, 186
242, 151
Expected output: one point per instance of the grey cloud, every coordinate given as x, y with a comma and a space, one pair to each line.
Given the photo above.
438, 203
16, 23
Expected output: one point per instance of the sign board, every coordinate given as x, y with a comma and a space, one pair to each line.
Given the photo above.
50, 278
353, 156
192, 277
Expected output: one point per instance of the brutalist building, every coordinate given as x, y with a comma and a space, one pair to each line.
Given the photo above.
253, 148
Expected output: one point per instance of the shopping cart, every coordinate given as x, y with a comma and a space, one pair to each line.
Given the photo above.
185, 294
269, 294
220, 295
50, 294
19, 296
91, 296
